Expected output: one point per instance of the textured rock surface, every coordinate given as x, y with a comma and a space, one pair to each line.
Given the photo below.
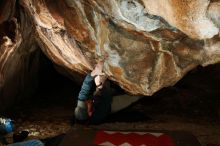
19, 55
147, 44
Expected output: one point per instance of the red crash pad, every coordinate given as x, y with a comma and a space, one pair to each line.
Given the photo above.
132, 138
91, 137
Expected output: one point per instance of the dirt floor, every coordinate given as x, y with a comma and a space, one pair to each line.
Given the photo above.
192, 105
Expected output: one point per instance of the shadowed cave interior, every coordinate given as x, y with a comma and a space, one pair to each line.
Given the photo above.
191, 105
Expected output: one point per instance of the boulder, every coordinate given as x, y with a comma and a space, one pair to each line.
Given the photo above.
146, 45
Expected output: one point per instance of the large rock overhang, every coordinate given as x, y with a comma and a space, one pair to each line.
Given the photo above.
147, 45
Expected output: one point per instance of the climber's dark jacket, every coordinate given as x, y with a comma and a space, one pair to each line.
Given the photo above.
102, 101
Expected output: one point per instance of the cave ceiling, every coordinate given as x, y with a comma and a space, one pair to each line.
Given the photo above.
146, 44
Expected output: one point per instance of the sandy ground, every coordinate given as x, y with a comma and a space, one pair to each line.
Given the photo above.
192, 105
49, 122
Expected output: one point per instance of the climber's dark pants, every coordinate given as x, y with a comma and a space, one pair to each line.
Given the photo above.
102, 105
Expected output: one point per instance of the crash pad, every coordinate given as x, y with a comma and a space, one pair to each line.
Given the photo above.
92, 137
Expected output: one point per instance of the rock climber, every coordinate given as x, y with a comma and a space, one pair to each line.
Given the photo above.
95, 100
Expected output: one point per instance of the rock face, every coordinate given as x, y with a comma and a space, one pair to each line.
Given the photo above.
19, 54
147, 45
